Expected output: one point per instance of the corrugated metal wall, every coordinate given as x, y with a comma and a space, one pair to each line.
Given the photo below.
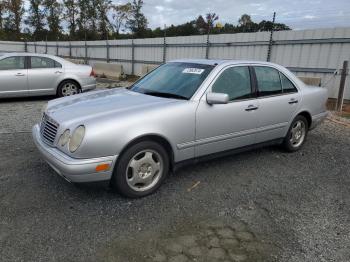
316, 53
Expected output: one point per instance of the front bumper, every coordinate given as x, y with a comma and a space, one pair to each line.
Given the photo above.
73, 170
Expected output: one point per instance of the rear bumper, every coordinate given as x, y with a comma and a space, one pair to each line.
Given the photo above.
73, 170
88, 83
88, 87
318, 119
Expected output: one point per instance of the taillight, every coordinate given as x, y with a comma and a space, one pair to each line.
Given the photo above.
92, 73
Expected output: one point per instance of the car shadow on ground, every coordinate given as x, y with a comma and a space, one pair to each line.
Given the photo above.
26, 99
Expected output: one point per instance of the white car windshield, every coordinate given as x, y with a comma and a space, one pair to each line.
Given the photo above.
173, 80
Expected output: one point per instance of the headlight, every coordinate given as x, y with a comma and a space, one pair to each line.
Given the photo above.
64, 138
43, 109
76, 138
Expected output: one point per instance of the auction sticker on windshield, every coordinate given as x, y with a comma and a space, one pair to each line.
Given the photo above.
197, 71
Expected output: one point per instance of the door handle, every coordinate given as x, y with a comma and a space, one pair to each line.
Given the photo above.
251, 108
293, 101
58, 72
19, 74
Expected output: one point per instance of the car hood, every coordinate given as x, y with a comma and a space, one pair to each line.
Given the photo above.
101, 103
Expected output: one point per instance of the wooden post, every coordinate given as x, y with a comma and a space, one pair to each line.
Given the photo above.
340, 100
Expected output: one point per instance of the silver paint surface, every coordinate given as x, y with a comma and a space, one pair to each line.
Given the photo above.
43, 81
193, 128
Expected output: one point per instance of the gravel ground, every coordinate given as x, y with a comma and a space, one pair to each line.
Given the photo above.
263, 205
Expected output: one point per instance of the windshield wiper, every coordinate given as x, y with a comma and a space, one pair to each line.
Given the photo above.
166, 95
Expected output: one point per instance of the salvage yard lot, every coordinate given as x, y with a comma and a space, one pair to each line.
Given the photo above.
263, 205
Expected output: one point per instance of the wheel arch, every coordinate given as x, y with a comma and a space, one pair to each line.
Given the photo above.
155, 138
68, 79
307, 115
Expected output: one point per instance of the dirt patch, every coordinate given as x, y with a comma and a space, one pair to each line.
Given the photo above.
193, 241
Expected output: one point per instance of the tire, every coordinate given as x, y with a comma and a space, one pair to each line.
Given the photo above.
296, 135
141, 170
68, 88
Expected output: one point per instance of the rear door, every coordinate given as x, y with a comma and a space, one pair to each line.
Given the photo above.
43, 75
13, 76
278, 100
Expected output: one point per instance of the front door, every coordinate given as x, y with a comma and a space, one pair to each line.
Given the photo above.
278, 101
13, 76
232, 125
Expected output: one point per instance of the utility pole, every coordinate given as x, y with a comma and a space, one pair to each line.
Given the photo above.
271, 38
208, 43
344, 73
164, 45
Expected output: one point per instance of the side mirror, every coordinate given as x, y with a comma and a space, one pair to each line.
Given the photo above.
217, 98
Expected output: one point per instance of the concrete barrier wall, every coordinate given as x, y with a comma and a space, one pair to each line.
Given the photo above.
147, 68
109, 70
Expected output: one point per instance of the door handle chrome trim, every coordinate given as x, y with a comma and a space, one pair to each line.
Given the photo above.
293, 101
251, 108
58, 72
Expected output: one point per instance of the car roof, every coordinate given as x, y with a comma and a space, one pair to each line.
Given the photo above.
57, 58
216, 62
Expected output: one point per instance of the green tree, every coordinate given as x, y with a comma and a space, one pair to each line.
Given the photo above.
53, 12
268, 25
210, 20
71, 12
2, 13
245, 23
36, 19
13, 20
201, 25
82, 21
103, 7
120, 14
137, 22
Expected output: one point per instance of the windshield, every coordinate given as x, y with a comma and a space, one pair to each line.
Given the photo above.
173, 80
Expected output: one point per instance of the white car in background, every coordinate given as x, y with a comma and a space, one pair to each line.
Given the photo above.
29, 74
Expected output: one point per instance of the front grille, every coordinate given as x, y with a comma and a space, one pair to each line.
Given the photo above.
48, 129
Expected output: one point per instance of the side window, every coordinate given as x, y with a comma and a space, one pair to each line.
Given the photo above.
234, 81
12, 63
268, 79
287, 85
57, 65
41, 62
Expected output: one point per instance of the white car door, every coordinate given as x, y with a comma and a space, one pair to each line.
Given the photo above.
43, 75
278, 100
222, 127
13, 76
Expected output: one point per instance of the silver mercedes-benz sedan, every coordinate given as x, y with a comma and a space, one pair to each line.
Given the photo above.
26, 74
183, 111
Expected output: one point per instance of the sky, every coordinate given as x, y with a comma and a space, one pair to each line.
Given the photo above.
298, 14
